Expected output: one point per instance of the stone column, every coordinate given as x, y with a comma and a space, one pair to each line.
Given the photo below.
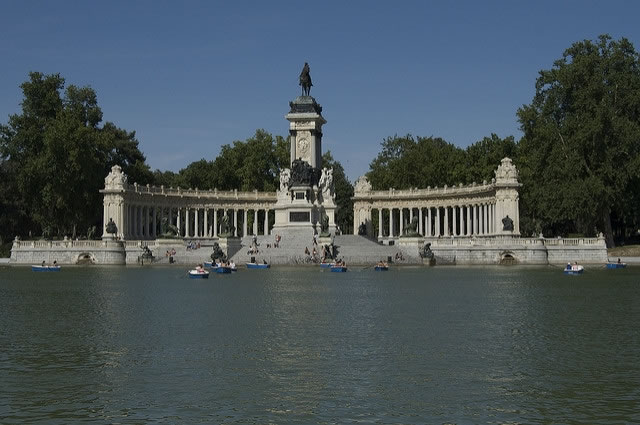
446, 221
266, 222
454, 221
438, 233
206, 223
476, 222
187, 224
379, 222
178, 221
390, 222
485, 213
153, 220
143, 222
170, 215
255, 221
235, 222
429, 228
401, 221
215, 223
410, 215
244, 222
468, 223
421, 218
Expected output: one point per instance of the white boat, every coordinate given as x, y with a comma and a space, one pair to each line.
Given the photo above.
573, 269
199, 273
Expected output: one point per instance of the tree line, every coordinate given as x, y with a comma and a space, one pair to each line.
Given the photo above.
579, 158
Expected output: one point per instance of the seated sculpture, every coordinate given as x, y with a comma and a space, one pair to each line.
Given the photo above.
111, 227
218, 255
507, 224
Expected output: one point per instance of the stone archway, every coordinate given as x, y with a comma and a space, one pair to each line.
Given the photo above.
507, 258
86, 258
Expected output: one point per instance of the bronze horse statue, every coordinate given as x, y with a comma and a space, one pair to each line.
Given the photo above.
305, 80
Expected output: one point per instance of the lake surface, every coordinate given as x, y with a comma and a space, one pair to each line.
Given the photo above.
300, 345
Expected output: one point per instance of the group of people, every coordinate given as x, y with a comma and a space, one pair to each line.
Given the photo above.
193, 245
44, 263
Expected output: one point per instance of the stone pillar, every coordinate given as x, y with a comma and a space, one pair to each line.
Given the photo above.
379, 222
187, 224
266, 222
244, 222
454, 221
206, 223
438, 222
429, 228
446, 221
235, 222
468, 223
485, 213
170, 215
255, 222
421, 218
215, 223
401, 221
178, 221
154, 222
390, 222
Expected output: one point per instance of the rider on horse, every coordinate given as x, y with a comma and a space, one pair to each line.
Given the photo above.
305, 80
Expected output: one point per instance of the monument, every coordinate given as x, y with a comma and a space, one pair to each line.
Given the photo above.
306, 198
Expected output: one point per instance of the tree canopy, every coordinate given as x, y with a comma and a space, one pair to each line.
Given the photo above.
579, 157
54, 157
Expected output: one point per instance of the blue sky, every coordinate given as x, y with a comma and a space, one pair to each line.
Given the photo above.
189, 76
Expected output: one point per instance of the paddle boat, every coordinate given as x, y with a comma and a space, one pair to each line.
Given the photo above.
381, 267
208, 264
573, 269
222, 269
327, 265
45, 268
258, 266
618, 265
339, 267
199, 273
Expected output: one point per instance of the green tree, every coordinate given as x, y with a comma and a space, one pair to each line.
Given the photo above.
343, 192
579, 157
484, 156
406, 162
58, 156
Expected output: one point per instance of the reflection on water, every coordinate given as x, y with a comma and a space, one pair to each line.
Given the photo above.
415, 345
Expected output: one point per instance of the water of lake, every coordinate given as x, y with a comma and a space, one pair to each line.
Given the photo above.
300, 345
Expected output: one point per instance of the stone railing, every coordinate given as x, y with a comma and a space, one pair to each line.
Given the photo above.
65, 243
215, 193
429, 192
509, 241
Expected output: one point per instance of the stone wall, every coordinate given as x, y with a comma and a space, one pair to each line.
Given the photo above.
67, 252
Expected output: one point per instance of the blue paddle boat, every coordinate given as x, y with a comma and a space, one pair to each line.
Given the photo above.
45, 268
222, 269
327, 265
338, 269
258, 266
618, 265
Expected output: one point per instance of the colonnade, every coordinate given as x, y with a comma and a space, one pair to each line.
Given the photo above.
144, 221
477, 219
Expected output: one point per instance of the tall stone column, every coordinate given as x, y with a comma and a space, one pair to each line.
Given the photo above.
154, 222
255, 222
429, 227
379, 222
187, 224
235, 222
178, 221
454, 221
446, 221
421, 218
215, 223
206, 222
244, 222
266, 222
401, 221
390, 222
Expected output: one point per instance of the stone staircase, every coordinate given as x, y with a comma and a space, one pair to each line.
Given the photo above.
352, 249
